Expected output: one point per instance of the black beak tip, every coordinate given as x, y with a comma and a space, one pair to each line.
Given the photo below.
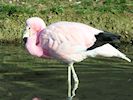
25, 40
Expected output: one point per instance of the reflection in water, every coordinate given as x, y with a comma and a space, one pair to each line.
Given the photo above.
23, 77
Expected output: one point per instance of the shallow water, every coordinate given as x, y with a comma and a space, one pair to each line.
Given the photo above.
23, 77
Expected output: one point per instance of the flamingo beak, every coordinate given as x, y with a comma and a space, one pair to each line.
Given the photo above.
25, 40
25, 36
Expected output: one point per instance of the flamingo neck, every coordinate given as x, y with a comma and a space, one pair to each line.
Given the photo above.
33, 45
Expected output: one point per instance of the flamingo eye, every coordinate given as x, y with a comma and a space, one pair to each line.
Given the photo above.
29, 28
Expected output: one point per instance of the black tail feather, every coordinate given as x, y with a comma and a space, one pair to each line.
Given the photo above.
105, 37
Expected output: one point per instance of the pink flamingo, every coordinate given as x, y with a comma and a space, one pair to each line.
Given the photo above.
70, 42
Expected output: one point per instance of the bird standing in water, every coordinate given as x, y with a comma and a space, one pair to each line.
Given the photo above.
69, 42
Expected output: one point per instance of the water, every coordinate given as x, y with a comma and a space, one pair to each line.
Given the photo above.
23, 77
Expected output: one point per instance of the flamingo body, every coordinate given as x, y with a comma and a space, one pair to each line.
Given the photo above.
64, 39
68, 41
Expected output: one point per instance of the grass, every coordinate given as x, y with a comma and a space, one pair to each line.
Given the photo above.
111, 15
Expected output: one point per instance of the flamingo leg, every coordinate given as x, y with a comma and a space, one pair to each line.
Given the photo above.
69, 82
76, 81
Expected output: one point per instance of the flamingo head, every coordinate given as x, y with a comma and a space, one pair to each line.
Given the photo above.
33, 26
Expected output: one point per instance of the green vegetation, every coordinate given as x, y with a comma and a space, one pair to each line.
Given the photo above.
111, 15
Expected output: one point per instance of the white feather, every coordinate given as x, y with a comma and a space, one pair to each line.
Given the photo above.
107, 50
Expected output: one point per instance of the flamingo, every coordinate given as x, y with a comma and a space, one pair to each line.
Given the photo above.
69, 42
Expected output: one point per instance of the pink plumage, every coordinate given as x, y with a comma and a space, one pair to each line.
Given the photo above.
68, 41
59, 40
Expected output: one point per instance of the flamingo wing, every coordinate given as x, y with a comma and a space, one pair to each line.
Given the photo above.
67, 40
